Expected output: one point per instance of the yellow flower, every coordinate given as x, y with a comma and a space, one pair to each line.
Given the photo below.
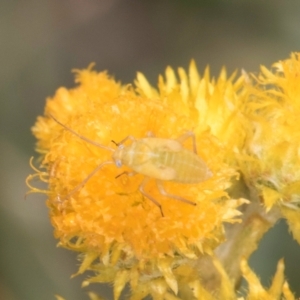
215, 104
272, 164
121, 233
279, 287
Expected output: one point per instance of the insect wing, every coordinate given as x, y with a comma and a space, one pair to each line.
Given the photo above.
149, 157
156, 171
159, 144
190, 168
171, 161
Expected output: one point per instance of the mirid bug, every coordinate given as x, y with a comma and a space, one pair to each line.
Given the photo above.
155, 158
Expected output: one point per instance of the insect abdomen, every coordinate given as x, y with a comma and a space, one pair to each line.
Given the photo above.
188, 167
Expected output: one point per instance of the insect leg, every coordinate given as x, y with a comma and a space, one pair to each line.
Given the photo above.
144, 193
84, 181
164, 193
126, 173
188, 134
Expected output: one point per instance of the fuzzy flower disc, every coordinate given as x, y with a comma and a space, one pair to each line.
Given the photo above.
107, 217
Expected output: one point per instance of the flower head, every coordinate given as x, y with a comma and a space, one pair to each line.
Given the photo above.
106, 216
272, 160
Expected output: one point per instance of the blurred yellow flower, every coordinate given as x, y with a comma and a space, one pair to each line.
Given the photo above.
272, 163
279, 288
122, 235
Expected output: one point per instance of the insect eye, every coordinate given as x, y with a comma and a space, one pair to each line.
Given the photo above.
118, 163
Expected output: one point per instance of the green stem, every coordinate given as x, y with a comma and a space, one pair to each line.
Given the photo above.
242, 239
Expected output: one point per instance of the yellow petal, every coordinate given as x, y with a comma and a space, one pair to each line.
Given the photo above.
164, 266
119, 283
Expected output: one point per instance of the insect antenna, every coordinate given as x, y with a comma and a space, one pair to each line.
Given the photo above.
142, 190
117, 144
81, 136
89, 176
120, 144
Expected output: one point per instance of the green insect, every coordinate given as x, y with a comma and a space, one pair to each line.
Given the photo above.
155, 158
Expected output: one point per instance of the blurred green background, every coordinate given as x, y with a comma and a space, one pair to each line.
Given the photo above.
41, 41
